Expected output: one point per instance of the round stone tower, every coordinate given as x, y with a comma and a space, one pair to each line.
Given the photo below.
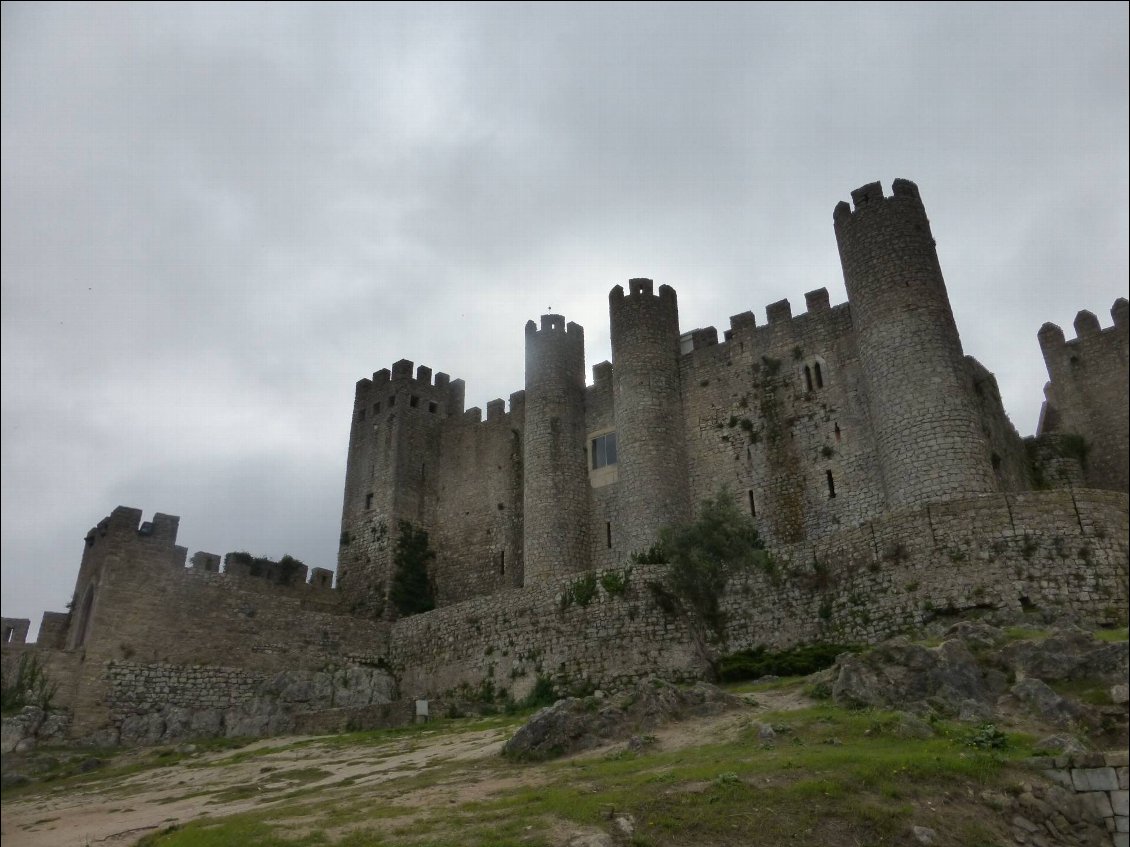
928, 435
647, 390
556, 493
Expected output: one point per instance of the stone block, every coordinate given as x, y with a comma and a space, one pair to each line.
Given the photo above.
1096, 805
1094, 779
1060, 777
1117, 758
1120, 802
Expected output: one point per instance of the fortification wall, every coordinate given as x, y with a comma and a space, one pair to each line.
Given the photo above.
477, 529
777, 413
1087, 393
147, 607
608, 537
1055, 553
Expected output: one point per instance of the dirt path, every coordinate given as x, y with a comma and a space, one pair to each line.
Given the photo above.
118, 811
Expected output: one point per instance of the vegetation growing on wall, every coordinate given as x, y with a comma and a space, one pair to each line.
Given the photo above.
28, 685
412, 590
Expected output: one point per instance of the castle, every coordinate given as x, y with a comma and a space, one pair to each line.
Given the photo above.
864, 444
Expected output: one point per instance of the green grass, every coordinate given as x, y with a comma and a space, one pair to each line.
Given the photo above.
1122, 634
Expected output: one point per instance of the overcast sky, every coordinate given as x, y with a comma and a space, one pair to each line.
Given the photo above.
217, 218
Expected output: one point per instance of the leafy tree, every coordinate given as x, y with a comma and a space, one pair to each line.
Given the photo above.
701, 557
412, 591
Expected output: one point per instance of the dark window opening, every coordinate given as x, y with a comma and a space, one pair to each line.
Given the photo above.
376, 407
368, 501
837, 431
996, 462
608, 533
752, 507
433, 407
808, 377
818, 374
831, 485
392, 401
502, 563
413, 401
604, 450
423, 470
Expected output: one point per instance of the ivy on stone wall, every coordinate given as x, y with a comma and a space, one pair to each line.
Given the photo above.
412, 590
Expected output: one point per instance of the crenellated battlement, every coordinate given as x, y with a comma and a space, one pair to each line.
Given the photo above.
778, 315
1087, 327
869, 197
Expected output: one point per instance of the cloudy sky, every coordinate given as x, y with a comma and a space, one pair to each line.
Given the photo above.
217, 218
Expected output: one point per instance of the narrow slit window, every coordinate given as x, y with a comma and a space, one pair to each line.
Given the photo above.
376, 407
808, 377
502, 563
369, 501
831, 485
837, 431
392, 401
413, 401
752, 506
818, 374
608, 534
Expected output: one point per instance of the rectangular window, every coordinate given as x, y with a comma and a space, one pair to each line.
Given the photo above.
368, 501
413, 401
433, 407
608, 533
604, 450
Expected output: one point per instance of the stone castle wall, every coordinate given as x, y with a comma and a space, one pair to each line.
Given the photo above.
1061, 553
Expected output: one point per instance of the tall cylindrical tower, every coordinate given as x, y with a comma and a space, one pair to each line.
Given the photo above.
556, 491
928, 435
654, 490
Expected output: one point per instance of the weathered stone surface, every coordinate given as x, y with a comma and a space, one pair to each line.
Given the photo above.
1069, 655
898, 674
575, 723
1042, 701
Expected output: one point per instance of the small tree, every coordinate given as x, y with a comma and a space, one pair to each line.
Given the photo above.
701, 557
412, 591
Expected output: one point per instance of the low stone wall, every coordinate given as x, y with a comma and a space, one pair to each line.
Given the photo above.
1093, 788
1031, 555
156, 703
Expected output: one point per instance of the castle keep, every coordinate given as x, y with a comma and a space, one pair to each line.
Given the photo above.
863, 442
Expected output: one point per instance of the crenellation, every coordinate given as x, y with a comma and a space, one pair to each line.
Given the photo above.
817, 301
1086, 324
859, 438
779, 312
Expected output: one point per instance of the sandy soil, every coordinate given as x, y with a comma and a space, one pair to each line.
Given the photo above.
118, 811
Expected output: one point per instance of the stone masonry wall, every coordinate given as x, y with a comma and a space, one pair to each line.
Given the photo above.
1061, 552
777, 413
1098, 784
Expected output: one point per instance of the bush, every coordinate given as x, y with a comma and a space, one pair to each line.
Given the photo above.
799, 661
28, 686
412, 591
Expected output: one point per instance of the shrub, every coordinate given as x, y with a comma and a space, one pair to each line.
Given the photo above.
412, 591
616, 582
28, 686
798, 661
